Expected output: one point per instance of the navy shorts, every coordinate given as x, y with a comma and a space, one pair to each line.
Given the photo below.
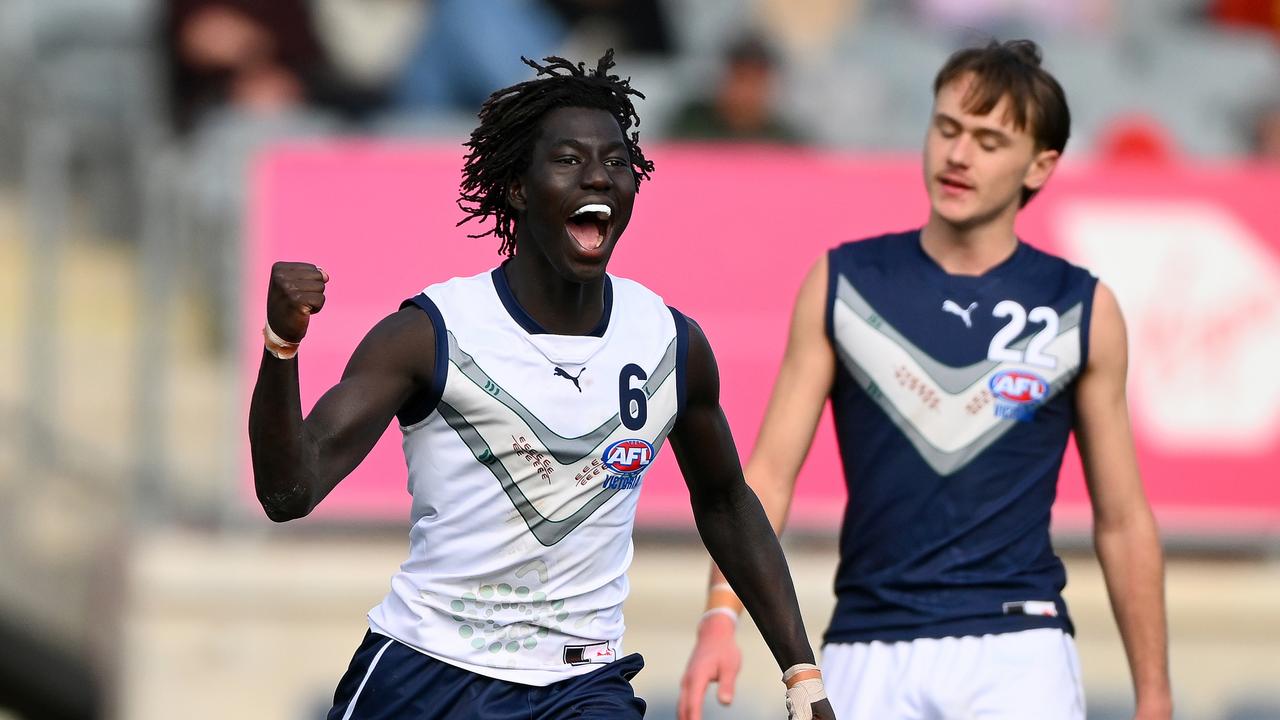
388, 679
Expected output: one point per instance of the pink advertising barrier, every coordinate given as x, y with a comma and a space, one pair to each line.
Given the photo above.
727, 234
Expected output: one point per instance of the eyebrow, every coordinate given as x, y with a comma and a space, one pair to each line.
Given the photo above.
579, 145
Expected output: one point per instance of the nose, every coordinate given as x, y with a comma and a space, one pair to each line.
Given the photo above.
959, 151
595, 176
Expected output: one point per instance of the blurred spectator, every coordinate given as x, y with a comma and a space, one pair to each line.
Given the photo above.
470, 48
261, 57
1264, 14
741, 105
369, 40
628, 26
1266, 133
1015, 17
810, 27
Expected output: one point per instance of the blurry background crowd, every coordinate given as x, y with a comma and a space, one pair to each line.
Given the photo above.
133, 584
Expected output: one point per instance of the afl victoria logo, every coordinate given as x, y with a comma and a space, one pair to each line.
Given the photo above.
628, 457
1019, 386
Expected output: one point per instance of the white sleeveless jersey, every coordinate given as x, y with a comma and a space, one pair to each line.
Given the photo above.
525, 477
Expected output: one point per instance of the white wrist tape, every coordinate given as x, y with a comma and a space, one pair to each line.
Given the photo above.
802, 696
278, 346
798, 668
727, 612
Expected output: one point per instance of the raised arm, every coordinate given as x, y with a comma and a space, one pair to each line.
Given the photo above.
1124, 530
297, 461
803, 384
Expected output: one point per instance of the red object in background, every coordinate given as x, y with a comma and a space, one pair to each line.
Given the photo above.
1263, 14
727, 234
1136, 138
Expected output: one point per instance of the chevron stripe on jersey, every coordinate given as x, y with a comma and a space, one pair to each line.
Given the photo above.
943, 410
525, 473
551, 510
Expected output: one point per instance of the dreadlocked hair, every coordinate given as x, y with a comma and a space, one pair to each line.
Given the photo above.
501, 146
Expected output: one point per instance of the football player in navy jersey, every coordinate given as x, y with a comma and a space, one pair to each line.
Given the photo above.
531, 398
958, 360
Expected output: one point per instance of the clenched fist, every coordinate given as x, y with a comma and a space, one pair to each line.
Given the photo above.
295, 294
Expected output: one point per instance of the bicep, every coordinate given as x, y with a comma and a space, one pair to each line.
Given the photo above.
394, 361
1102, 427
701, 438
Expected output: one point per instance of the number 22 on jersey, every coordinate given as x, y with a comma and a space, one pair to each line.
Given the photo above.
999, 350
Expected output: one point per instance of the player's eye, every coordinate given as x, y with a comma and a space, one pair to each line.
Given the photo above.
616, 162
567, 160
990, 143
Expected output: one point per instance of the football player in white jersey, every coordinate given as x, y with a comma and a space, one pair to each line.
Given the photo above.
531, 398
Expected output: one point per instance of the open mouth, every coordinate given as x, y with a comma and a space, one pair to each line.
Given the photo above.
589, 226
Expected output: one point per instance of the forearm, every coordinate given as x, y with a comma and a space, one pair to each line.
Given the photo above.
737, 534
1133, 564
284, 456
774, 493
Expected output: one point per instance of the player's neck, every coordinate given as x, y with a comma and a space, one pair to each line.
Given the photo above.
560, 306
969, 250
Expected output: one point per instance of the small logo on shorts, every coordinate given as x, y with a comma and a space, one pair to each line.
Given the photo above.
597, 653
1040, 608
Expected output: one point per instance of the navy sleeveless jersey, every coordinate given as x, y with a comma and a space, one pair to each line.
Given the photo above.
953, 402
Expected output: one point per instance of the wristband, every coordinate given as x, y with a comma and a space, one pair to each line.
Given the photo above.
721, 594
278, 346
727, 612
798, 668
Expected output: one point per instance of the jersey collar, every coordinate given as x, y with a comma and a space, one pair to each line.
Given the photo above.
526, 321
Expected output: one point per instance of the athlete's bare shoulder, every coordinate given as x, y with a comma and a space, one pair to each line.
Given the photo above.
402, 343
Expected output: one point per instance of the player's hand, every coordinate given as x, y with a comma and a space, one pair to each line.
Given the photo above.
715, 658
295, 294
806, 693
822, 710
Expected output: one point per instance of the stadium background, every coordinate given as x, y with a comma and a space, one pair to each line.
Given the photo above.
137, 579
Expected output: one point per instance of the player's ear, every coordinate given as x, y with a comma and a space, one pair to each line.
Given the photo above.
1042, 167
515, 195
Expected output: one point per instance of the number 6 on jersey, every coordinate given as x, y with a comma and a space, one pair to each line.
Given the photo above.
633, 404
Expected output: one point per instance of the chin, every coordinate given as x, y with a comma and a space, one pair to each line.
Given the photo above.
583, 275
582, 270
956, 217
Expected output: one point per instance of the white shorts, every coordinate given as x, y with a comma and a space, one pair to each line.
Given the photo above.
1010, 676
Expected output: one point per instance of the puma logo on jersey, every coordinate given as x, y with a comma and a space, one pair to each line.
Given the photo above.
962, 313
560, 372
